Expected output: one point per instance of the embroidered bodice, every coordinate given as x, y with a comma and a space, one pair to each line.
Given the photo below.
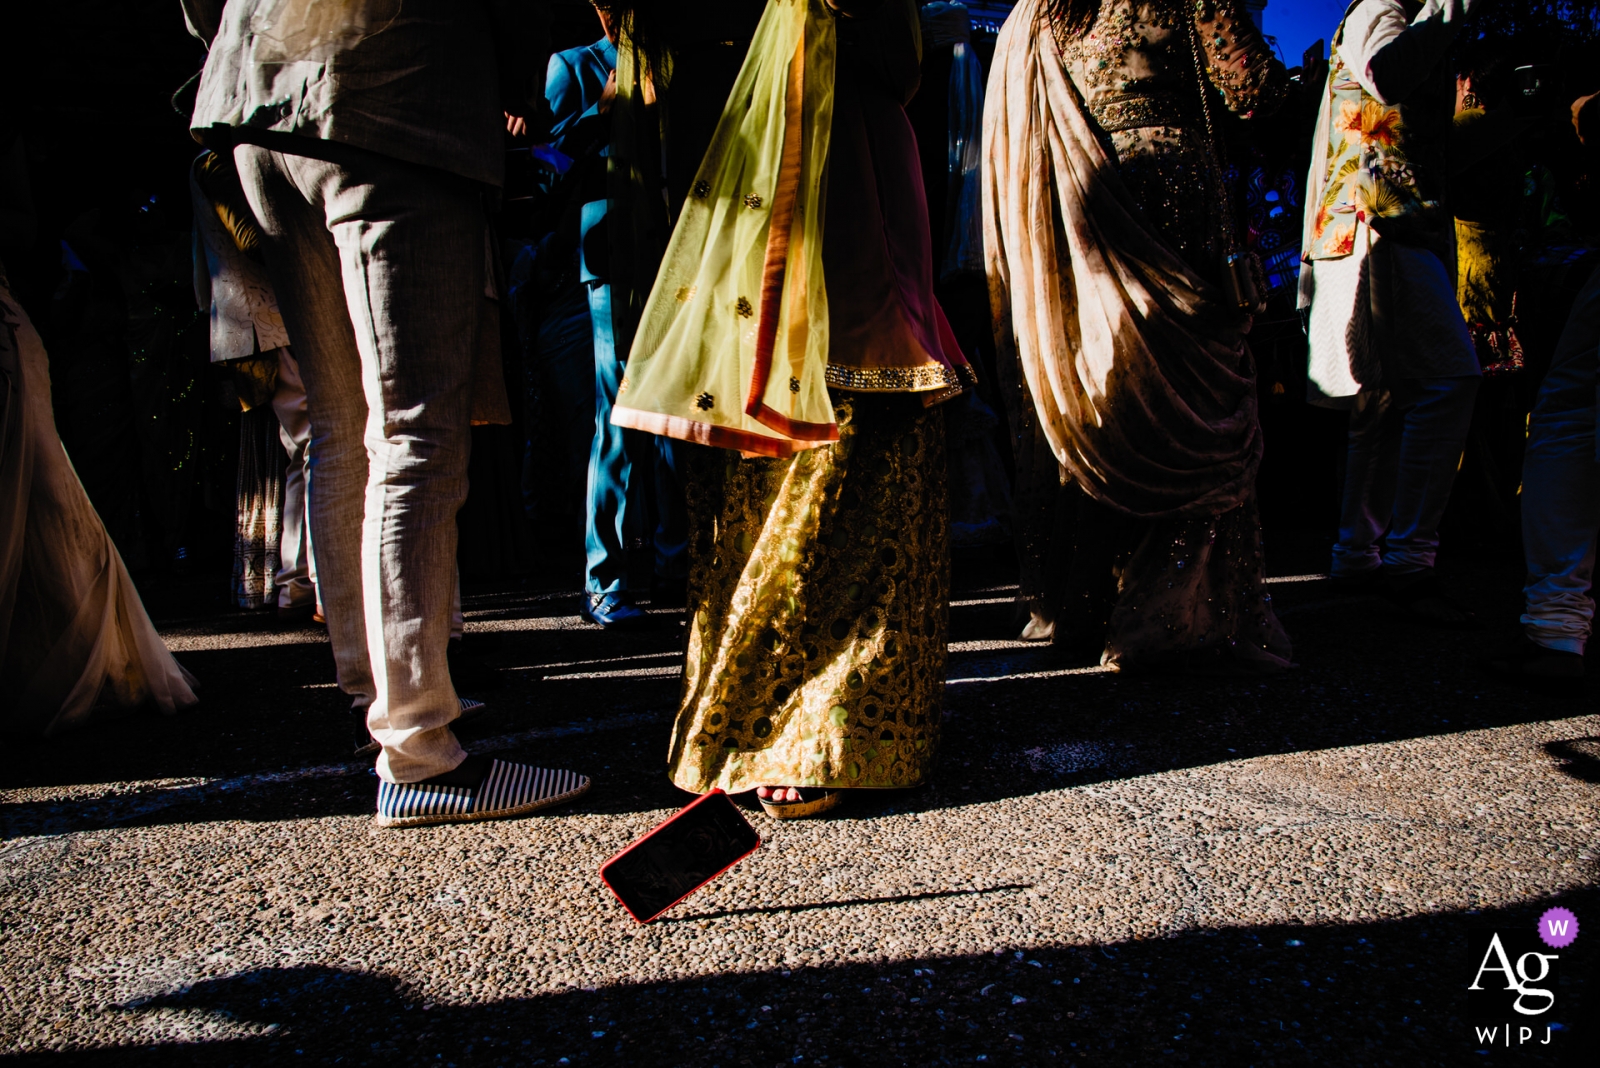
1135, 70
1142, 50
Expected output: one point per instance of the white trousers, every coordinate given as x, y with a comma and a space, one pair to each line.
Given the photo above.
380, 272
1404, 450
297, 570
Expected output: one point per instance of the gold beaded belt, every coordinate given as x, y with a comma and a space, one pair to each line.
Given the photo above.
1150, 109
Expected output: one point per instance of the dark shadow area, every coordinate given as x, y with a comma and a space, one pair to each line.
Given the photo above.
311, 798
344, 785
816, 906
1383, 993
1579, 758
1365, 676
272, 706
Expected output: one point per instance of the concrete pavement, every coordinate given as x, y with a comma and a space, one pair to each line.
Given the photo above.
1107, 870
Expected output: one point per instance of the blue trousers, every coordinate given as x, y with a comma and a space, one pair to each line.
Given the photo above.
623, 508
558, 378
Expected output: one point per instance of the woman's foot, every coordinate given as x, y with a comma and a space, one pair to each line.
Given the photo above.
796, 802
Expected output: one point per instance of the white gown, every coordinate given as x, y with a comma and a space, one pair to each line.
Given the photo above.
73, 632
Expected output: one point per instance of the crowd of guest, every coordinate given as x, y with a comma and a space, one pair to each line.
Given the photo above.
773, 305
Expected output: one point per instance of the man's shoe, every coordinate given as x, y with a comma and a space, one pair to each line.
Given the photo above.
294, 615
471, 708
481, 788
1531, 664
610, 611
1424, 598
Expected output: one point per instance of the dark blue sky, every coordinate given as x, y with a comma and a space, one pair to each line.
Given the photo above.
1297, 23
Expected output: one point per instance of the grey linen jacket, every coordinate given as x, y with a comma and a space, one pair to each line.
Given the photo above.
423, 81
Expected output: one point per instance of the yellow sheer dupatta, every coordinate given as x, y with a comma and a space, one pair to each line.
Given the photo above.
732, 347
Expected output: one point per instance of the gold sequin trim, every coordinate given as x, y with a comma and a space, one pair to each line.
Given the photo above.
899, 379
752, 200
794, 385
743, 307
1131, 112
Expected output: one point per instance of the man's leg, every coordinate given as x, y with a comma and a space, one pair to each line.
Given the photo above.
610, 470
1437, 417
411, 243
458, 622
565, 353
294, 582
1369, 484
1561, 486
404, 247
306, 274
672, 518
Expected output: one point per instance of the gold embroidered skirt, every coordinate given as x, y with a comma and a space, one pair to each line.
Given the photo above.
818, 592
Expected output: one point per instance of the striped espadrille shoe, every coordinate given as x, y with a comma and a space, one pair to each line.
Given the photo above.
506, 789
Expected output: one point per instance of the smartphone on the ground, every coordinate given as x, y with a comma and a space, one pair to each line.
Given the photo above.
680, 856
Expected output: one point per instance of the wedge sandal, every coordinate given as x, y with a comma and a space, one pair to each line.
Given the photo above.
814, 801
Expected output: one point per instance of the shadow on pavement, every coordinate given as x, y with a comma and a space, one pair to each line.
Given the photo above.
1382, 993
998, 743
1363, 678
1579, 758
847, 903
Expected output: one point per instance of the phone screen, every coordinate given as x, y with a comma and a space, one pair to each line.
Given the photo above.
695, 846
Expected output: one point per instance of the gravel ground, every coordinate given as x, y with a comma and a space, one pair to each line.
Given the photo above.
1106, 870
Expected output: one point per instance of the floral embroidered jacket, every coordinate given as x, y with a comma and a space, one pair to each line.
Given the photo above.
1384, 163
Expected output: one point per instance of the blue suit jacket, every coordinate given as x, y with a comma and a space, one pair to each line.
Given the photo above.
573, 85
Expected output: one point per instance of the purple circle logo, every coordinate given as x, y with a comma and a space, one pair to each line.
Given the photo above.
1558, 927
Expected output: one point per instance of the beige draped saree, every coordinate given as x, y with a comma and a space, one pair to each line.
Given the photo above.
1138, 371
1136, 368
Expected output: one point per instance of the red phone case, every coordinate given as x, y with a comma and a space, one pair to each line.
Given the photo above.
698, 843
